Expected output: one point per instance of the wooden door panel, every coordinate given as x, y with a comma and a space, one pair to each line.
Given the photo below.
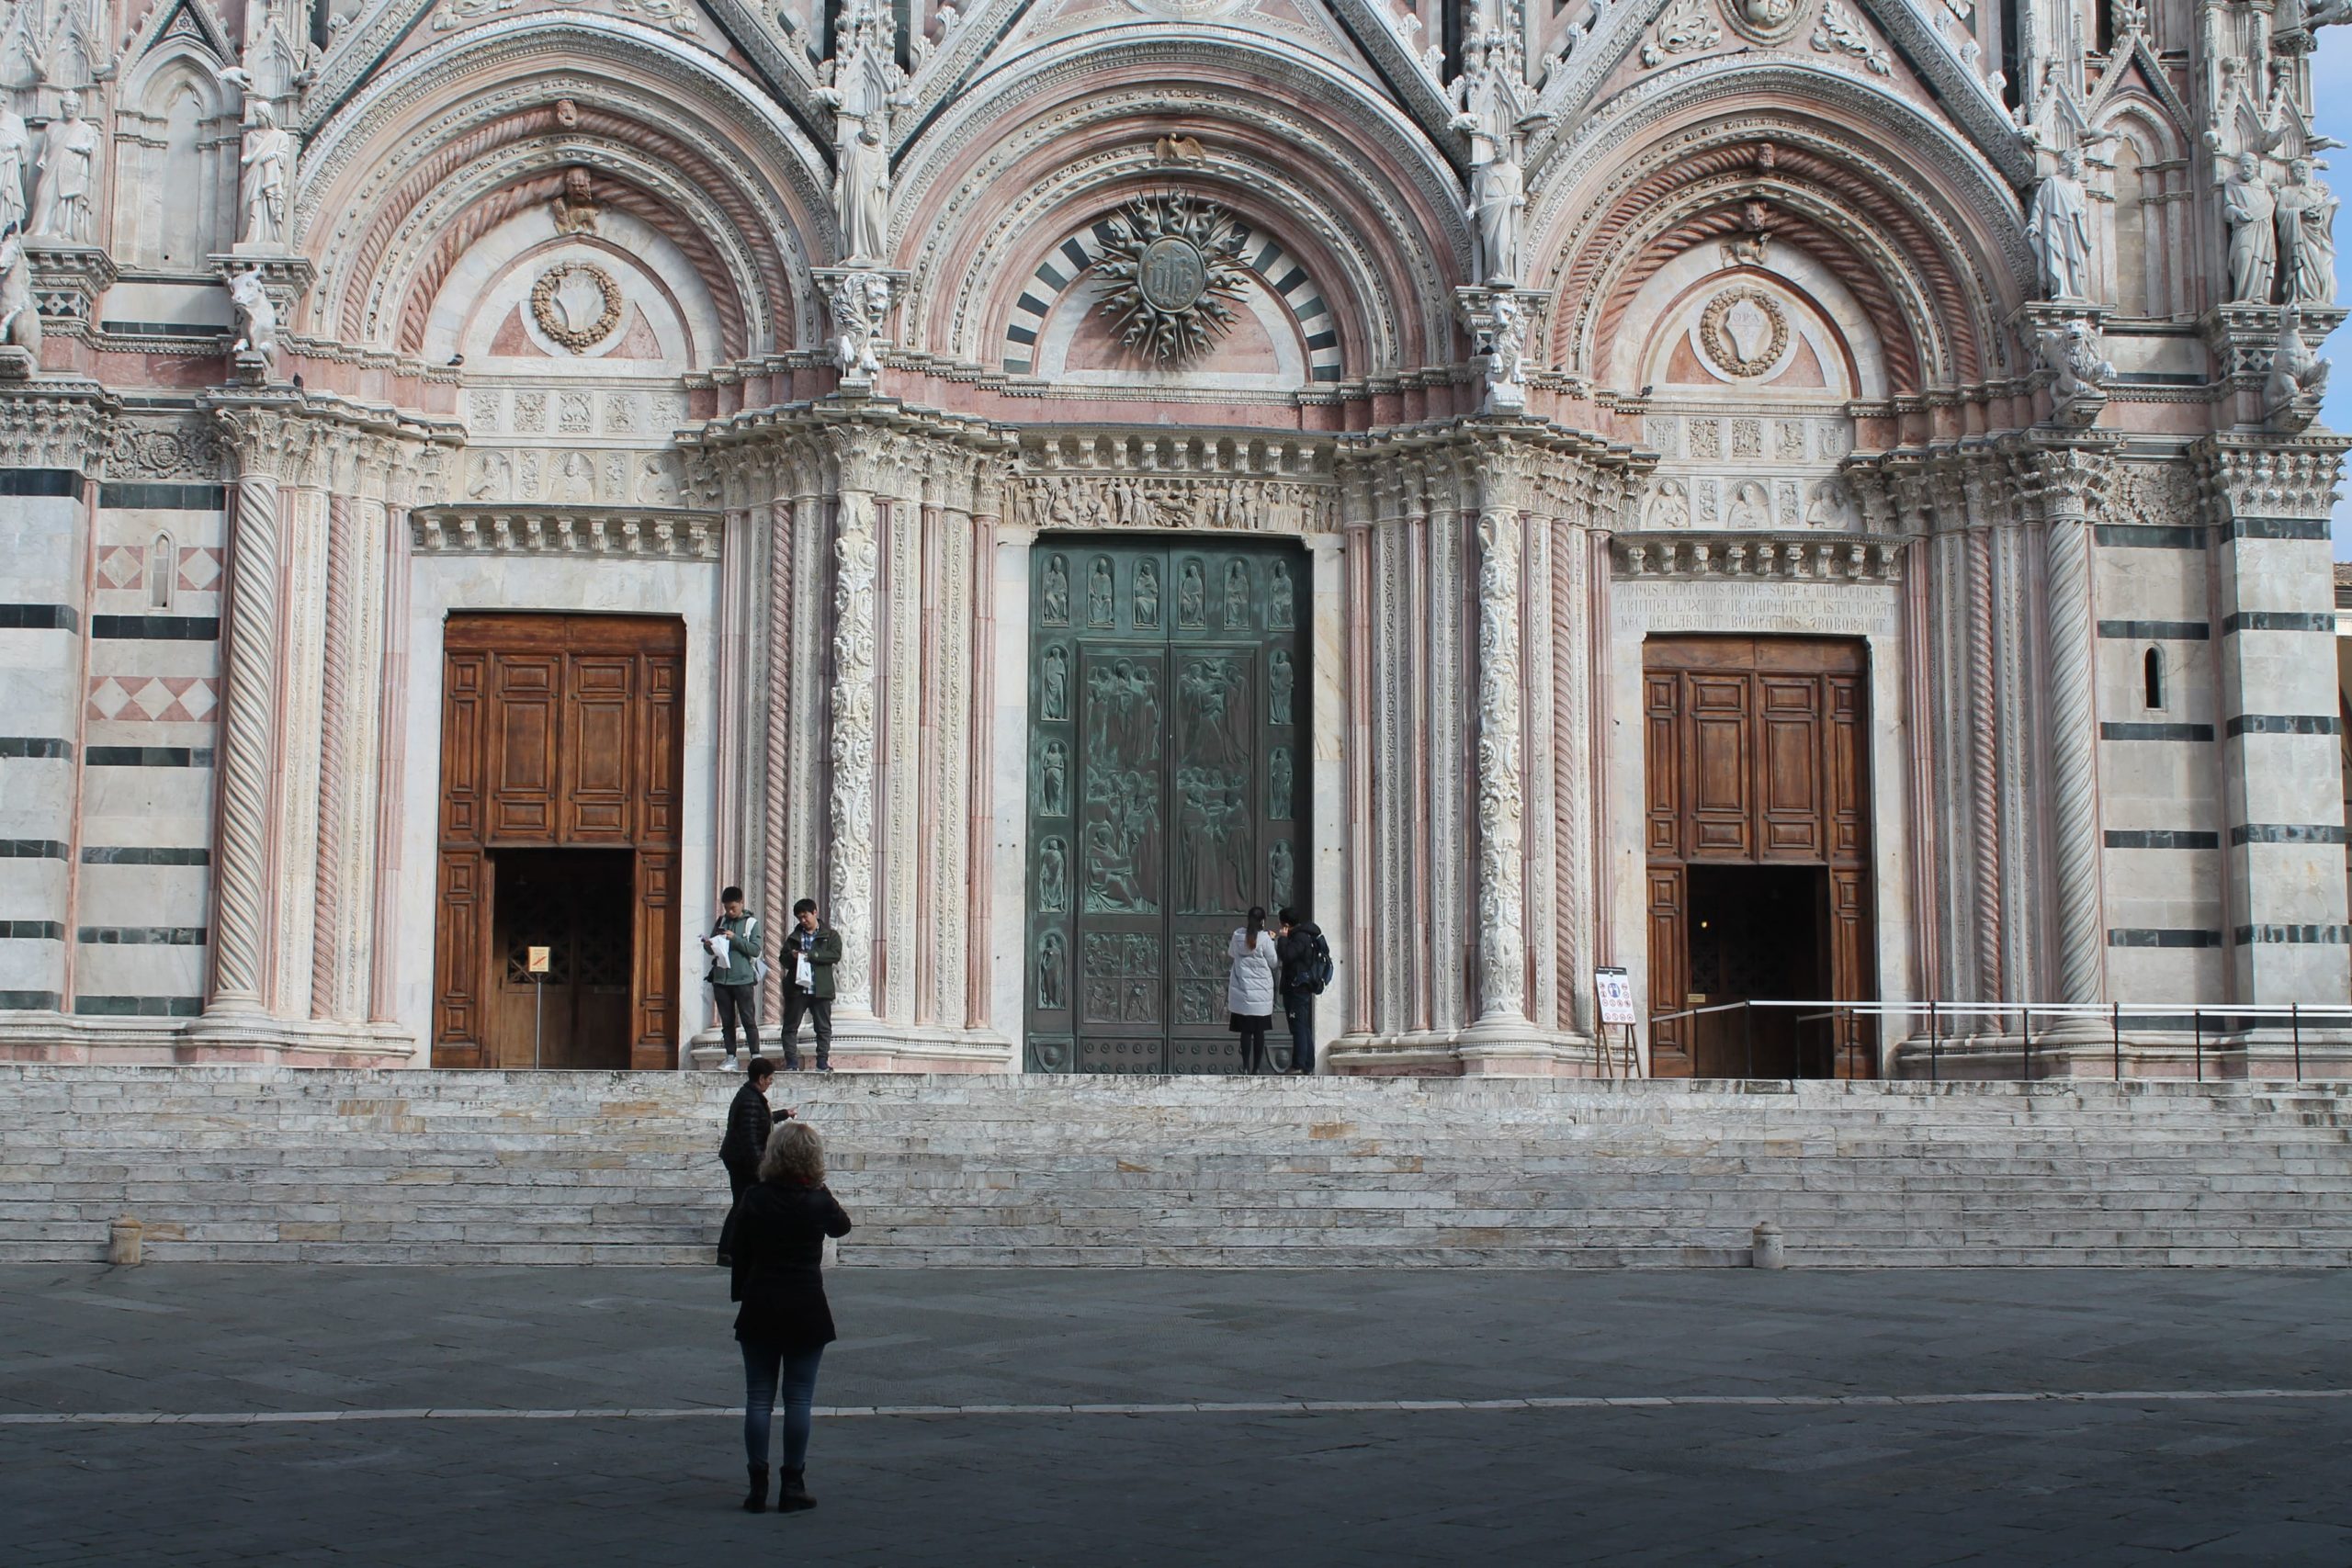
459, 936
1669, 972
599, 761
1848, 752
654, 1005
524, 742
1790, 775
1849, 976
661, 769
1662, 763
464, 678
1719, 735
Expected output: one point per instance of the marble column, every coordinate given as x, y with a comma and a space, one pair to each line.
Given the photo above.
1501, 945
2069, 477
855, 737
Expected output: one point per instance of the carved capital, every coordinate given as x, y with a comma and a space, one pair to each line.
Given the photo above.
2277, 476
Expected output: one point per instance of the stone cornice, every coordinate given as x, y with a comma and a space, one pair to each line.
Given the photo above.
1803, 556
618, 532
299, 438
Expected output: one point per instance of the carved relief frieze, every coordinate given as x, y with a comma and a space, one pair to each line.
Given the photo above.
166, 448
620, 533
1770, 555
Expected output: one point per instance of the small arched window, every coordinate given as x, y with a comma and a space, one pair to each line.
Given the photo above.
2151, 678
163, 572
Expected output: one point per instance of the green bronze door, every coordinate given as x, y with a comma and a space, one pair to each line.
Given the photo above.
1169, 769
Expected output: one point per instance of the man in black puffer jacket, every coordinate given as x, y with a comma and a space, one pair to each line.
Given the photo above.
747, 1120
1307, 968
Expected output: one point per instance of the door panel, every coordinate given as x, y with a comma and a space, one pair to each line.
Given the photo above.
1169, 768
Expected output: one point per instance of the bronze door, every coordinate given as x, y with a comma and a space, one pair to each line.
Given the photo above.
1168, 776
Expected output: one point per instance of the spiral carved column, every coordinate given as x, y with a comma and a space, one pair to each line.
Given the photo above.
326, 898
1502, 956
248, 748
778, 795
2067, 476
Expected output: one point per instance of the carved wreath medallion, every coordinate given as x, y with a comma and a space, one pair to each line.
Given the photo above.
1174, 267
1766, 21
1744, 330
577, 304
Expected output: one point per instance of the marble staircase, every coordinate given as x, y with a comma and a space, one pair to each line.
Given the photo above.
258, 1164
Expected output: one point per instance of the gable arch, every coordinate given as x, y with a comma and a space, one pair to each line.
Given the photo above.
454, 140
1357, 197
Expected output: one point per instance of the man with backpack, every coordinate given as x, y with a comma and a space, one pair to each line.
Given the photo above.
1307, 968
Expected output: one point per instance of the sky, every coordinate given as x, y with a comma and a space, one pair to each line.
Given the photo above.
2331, 91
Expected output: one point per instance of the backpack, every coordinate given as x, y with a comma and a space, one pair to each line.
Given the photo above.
1319, 966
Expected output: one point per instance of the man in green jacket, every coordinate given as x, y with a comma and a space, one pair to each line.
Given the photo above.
733, 946
810, 950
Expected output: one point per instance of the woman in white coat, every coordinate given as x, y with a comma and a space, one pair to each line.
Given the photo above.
1249, 989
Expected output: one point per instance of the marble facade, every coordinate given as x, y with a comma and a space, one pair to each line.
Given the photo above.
1545, 331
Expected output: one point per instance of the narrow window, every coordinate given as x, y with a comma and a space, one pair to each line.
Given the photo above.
2151, 678
163, 572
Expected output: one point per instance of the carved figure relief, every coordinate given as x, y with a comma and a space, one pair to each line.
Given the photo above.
575, 479
1147, 595
1669, 506
575, 208
1278, 783
1053, 877
1053, 971
1282, 871
1280, 598
1750, 507
1054, 607
1237, 596
1053, 694
1833, 506
1053, 781
1200, 977
1123, 755
1192, 595
1122, 977
1099, 606
1278, 684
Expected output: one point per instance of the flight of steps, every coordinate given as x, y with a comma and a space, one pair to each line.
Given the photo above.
258, 1164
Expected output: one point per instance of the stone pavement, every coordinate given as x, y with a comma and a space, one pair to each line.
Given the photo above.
2246, 1462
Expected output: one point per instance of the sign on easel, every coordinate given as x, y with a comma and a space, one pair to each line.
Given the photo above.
1615, 990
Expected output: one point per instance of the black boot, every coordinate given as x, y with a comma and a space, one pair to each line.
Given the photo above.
756, 1500
793, 1496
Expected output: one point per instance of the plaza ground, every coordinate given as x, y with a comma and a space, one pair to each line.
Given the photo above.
1808, 1416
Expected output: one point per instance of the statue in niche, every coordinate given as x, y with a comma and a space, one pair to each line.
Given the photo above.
1750, 507
1053, 968
2306, 211
2059, 229
1191, 596
1053, 700
16, 148
1282, 871
1053, 878
1278, 783
1279, 675
2251, 207
1056, 596
69, 175
1280, 596
862, 196
1833, 506
1053, 781
1099, 611
1669, 507
1236, 595
261, 171
1147, 594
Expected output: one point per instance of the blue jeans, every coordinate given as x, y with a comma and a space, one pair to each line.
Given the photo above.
762, 1362
1300, 1007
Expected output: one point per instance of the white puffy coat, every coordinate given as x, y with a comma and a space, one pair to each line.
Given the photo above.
1249, 992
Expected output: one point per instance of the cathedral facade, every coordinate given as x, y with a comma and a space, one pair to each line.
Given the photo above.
1800, 499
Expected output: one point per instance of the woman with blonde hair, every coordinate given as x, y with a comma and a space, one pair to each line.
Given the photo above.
784, 1324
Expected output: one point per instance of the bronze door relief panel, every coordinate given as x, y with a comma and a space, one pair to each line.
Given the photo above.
1168, 761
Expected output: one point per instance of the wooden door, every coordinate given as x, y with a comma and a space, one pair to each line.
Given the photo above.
1756, 754
558, 732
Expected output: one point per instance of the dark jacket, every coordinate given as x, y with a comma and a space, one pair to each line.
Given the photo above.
824, 946
779, 1252
745, 930
1296, 952
748, 1122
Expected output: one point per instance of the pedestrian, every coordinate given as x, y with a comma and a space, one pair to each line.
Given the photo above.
784, 1323
1249, 989
814, 949
1306, 969
749, 1121
733, 945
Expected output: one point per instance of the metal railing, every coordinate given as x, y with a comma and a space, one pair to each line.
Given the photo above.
2217, 1029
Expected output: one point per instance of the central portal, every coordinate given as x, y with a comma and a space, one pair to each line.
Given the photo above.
1168, 772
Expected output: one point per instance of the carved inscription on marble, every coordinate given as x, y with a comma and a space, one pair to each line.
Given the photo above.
1847, 610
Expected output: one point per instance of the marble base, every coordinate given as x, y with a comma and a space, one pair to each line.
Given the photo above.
68, 1038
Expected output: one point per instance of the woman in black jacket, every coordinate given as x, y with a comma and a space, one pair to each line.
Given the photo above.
784, 1324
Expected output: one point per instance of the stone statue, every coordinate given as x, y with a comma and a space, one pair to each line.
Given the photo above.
69, 176
2298, 378
862, 195
2251, 208
16, 147
1669, 507
1498, 197
1492, 110
2059, 229
2306, 213
575, 208
256, 319
262, 173
2079, 391
20, 316
860, 302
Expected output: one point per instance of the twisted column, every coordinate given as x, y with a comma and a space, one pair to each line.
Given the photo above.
248, 747
776, 853
1984, 799
2074, 738
326, 898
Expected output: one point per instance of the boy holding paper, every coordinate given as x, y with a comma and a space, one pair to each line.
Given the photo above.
734, 948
